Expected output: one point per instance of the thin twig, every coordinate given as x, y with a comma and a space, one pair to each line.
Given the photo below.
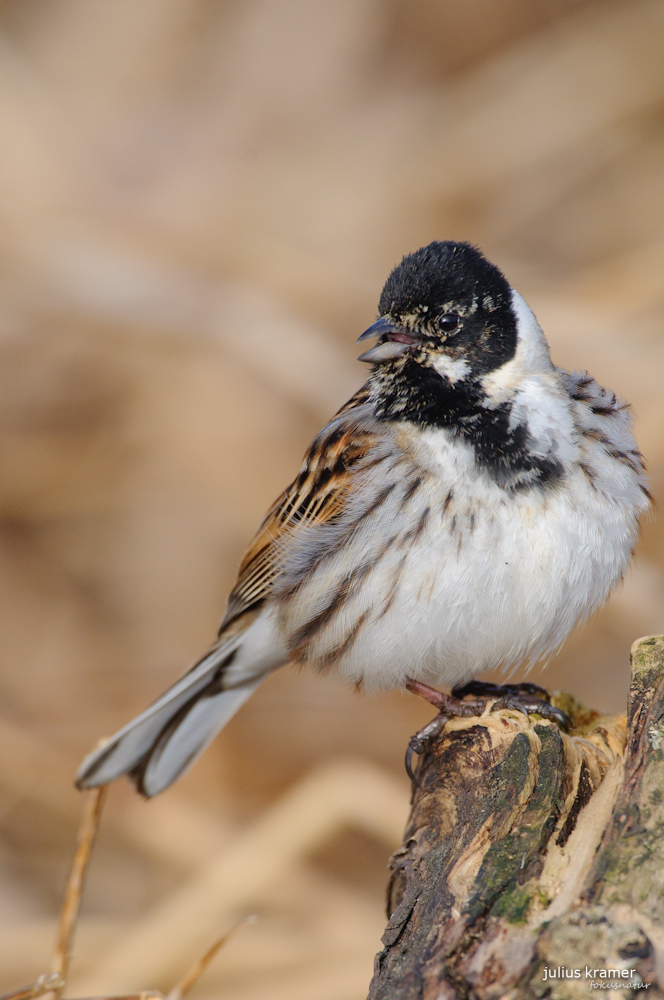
71, 903
143, 995
190, 979
47, 983
338, 794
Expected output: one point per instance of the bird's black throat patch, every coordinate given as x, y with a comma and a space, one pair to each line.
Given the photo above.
417, 394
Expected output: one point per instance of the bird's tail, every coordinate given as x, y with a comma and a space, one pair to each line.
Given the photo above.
161, 743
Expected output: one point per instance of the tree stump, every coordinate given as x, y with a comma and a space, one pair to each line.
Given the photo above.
533, 861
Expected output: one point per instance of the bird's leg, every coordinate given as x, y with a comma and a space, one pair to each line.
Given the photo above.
471, 700
448, 706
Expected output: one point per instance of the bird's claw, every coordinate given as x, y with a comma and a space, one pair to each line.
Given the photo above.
535, 706
529, 699
408, 762
420, 742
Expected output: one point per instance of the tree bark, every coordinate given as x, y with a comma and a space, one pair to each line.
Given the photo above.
533, 861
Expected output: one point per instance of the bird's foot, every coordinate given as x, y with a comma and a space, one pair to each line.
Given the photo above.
471, 700
531, 699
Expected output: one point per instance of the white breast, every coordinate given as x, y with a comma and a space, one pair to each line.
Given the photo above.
460, 575
494, 579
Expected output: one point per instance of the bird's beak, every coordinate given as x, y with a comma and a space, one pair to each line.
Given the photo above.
395, 343
377, 329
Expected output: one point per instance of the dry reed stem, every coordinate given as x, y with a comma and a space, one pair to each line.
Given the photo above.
143, 995
181, 989
72, 901
337, 795
598, 75
192, 976
47, 983
54, 982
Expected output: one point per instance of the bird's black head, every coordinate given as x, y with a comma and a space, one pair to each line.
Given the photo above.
447, 320
448, 308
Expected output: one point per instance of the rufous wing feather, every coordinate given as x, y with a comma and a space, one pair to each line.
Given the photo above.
317, 495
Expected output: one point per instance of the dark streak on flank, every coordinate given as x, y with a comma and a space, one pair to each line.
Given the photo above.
609, 409
338, 651
394, 586
412, 489
372, 463
627, 458
414, 533
579, 383
348, 586
378, 502
595, 435
621, 456
588, 473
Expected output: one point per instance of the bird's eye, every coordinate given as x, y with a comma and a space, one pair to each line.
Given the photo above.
447, 322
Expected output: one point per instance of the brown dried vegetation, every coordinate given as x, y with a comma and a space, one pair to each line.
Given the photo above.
199, 203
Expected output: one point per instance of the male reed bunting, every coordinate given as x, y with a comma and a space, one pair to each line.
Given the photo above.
465, 508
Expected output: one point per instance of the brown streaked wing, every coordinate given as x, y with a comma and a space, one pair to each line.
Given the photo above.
317, 495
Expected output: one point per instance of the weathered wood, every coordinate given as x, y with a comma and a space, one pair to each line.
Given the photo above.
533, 861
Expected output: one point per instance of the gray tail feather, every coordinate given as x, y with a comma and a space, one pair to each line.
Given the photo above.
161, 743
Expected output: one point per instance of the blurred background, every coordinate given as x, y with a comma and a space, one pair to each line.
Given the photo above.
199, 203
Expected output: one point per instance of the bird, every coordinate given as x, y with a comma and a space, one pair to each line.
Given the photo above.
463, 511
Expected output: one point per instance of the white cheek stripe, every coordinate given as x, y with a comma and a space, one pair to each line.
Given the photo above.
531, 358
451, 369
532, 345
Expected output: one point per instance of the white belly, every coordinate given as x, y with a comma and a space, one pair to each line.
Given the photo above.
494, 587
493, 579
462, 576
508, 591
